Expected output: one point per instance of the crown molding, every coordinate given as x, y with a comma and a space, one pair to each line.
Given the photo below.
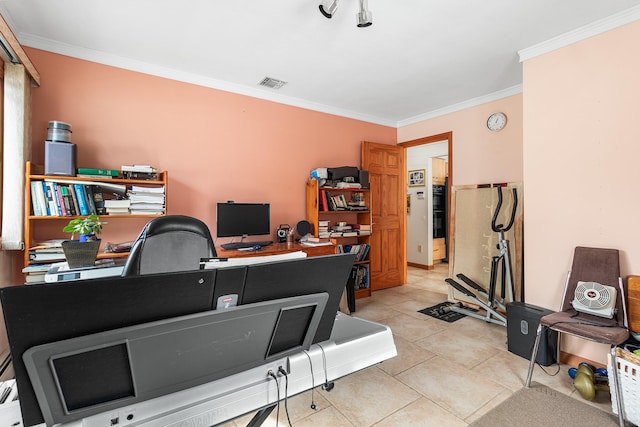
597, 27
99, 57
473, 102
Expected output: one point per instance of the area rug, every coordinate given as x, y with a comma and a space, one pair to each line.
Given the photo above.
542, 406
449, 316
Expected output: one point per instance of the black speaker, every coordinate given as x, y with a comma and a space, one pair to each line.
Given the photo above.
522, 324
303, 228
363, 178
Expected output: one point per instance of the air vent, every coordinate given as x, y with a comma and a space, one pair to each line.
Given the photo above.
272, 83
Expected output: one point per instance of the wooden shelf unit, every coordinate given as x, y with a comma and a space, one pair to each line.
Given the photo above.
36, 173
315, 215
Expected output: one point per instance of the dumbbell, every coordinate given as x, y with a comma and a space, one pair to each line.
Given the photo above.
587, 382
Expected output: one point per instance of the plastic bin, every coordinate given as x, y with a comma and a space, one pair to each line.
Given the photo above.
629, 377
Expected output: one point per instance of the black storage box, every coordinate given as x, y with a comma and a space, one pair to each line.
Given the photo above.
522, 325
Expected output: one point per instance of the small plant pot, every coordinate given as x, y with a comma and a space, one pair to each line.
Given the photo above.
80, 254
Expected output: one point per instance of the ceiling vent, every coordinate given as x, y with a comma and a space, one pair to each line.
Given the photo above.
272, 83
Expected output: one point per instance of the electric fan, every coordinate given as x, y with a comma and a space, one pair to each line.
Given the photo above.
594, 298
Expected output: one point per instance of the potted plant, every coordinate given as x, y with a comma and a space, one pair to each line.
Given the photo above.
83, 252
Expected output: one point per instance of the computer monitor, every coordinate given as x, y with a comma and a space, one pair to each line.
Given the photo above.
243, 219
41, 314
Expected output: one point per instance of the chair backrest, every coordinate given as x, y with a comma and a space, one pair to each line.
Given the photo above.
170, 243
596, 265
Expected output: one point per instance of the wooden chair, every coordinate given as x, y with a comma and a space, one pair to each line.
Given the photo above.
590, 265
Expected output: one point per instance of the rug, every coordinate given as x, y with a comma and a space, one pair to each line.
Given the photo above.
542, 406
449, 316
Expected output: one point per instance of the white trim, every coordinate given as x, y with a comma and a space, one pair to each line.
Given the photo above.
37, 42
598, 27
504, 93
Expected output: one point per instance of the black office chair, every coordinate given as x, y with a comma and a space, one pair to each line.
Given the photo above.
170, 243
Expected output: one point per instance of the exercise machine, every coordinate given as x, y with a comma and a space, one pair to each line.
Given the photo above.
486, 298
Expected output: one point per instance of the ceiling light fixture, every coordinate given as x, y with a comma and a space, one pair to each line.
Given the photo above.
364, 17
328, 8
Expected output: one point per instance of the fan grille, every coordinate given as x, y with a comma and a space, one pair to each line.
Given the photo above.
593, 295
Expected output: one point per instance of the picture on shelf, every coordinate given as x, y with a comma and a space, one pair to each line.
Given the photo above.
416, 178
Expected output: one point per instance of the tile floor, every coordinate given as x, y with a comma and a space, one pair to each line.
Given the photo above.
445, 374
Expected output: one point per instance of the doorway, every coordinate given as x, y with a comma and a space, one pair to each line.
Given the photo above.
428, 200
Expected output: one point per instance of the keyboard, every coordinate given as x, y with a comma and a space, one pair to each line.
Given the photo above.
244, 245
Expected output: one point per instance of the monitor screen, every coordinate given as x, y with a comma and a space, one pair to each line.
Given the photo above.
243, 219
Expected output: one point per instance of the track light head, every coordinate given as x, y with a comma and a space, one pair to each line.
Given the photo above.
328, 8
365, 17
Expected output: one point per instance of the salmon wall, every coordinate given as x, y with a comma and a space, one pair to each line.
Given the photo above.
215, 145
581, 156
479, 155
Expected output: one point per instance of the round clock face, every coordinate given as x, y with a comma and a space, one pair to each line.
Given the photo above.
496, 121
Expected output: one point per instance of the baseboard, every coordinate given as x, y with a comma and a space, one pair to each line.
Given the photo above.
421, 266
573, 360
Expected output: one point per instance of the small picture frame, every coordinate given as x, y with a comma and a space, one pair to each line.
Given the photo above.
416, 178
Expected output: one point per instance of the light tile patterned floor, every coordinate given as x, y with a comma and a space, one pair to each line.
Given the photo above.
445, 374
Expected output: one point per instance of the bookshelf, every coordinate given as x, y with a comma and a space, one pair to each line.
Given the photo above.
351, 206
35, 173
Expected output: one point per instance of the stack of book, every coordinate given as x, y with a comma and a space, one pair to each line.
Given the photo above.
146, 200
34, 273
323, 229
43, 252
362, 229
117, 206
139, 172
97, 173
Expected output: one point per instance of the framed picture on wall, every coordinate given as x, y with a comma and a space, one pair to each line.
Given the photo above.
416, 178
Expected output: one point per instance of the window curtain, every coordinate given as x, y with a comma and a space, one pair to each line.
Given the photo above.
16, 150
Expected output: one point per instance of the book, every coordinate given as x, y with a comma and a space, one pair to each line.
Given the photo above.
142, 189
82, 199
46, 256
74, 198
313, 244
117, 203
35, 201
323, 201
98, 200
62, 210
42, 198
66, 200
88, 189
140, 175
86, 175
52, 207
101, 173
138, 168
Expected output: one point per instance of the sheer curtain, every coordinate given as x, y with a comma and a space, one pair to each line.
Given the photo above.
19, 76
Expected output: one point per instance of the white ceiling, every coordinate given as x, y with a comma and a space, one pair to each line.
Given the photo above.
418, 58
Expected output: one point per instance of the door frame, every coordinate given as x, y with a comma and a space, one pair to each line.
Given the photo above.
446, 136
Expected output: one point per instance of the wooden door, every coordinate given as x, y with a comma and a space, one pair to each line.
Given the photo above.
388, 253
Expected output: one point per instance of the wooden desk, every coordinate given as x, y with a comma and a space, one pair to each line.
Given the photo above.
283, 248
278, 248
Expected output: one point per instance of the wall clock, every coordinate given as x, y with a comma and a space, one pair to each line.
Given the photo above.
496, 121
